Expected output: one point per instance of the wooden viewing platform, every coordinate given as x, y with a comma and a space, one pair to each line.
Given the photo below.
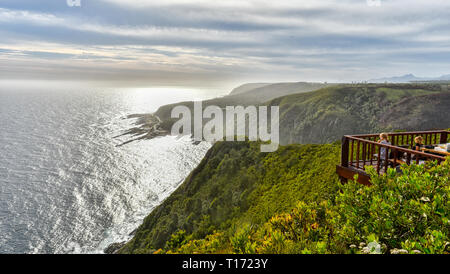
359, 151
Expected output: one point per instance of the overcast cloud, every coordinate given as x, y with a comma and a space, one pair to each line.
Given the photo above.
206, 42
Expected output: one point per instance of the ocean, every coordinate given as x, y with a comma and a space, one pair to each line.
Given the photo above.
65, 185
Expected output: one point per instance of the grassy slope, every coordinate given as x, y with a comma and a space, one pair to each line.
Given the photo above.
325, 115
235, 184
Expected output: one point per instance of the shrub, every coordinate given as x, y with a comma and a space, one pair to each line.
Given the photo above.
404, 212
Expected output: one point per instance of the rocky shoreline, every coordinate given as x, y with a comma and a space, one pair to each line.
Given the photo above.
114, 247
147, 126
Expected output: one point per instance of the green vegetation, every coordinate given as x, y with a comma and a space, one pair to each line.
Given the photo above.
419, 113
312, 113
327, 114
393, 94
239, 200
400, 213
236, 186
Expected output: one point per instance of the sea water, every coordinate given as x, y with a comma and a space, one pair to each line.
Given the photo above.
65, 185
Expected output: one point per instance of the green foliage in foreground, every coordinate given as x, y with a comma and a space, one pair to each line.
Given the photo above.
237, 186
400, 213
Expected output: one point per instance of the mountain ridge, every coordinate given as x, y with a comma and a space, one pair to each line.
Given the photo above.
409, 78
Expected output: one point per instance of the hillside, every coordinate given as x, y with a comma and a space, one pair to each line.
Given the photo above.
247, 87
419, 113
400, 213
327, 114
263, 93
254, 94
149, 126
236, 185
239, 200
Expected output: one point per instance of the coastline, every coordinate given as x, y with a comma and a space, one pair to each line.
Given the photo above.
147, 126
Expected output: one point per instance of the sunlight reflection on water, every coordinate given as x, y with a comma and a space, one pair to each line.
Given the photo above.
65, 186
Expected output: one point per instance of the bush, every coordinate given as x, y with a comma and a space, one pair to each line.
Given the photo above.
399, 213
408, 211
236, 184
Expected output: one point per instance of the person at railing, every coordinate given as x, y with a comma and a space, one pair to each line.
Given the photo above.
418, 143
384, 139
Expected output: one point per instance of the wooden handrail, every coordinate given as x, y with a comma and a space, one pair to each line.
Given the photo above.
428, 155
369, 152
402, 133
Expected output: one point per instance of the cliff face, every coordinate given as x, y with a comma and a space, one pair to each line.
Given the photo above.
325, 115
235, 184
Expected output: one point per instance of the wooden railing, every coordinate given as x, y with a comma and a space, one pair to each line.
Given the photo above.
359, 151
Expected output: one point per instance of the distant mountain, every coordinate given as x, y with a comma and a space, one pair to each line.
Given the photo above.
397, 79
244, 96
409, 78
247, 87
444, 77
266, 92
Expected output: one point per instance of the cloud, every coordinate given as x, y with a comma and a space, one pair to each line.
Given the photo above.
245, 40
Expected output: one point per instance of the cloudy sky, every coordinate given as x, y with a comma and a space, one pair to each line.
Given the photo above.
227, 42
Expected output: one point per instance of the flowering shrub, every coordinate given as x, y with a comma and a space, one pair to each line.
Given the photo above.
404, 212
209, 245
408, 211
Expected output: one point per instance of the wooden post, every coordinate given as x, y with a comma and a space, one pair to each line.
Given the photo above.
386, 159
344, 157
344, 151
444, 136
364, 155
379, 159
352, 145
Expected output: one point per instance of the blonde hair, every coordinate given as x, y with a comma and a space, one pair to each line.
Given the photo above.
384, 136
418, 139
